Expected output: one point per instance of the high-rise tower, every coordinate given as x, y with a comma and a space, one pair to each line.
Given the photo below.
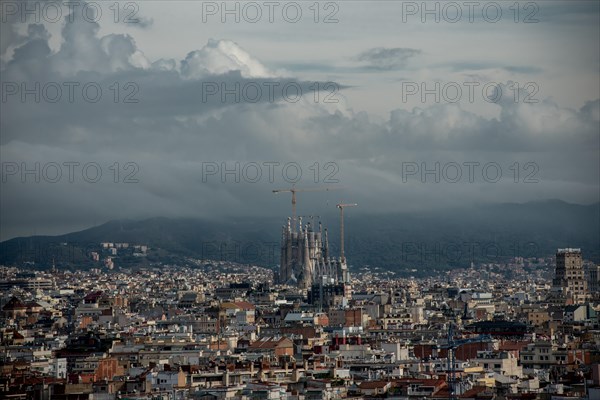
570, 275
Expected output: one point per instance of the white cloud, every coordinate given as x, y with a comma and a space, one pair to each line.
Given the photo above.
219, 57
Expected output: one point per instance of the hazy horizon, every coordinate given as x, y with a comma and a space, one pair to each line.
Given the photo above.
330, 217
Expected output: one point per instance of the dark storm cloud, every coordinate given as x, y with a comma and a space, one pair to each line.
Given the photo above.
523, 69
381, 58
486, 65
171, 132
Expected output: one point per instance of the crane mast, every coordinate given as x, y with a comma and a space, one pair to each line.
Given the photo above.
452, 345
293, 190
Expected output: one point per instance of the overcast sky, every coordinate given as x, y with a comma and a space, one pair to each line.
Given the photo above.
500, 103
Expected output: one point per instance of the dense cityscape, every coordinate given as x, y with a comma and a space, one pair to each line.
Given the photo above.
442, 159
525, 329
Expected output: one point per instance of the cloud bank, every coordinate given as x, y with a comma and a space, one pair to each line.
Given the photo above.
159, 128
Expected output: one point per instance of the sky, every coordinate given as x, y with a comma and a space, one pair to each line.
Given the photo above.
138, 109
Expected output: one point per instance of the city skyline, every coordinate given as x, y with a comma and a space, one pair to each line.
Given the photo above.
299, 200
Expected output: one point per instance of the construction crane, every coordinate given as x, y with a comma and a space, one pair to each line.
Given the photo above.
451, 357
293, 190
341, 206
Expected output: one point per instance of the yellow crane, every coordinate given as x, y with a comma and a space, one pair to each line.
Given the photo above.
293, 190
341, 206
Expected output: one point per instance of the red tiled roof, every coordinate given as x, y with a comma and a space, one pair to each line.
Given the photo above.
14, 304
443, 393
373, 384
512, 345
244, 305
474, 392
93, 296
17, 335
423, 382
267, 344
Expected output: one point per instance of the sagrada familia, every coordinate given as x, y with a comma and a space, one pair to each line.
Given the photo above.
306, 260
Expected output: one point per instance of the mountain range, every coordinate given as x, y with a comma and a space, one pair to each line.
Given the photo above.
437, 239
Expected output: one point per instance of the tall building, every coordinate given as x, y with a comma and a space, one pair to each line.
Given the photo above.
570, 276
593, 278
305, 257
